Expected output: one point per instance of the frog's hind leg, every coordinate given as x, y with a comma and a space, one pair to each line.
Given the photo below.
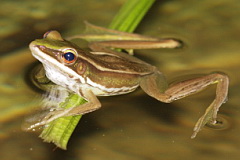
138, 44
154, 86
117, 39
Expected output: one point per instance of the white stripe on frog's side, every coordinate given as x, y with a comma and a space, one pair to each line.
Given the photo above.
110, 91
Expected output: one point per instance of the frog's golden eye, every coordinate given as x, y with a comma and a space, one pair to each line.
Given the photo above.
69, 57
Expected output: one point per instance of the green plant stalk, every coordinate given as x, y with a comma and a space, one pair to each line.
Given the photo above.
130, 15
60, 130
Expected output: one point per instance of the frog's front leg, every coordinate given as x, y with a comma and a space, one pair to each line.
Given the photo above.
92, 105
155, 86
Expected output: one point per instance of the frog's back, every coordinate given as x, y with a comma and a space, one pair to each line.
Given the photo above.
119, 64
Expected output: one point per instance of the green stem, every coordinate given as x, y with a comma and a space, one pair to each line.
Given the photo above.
130, 15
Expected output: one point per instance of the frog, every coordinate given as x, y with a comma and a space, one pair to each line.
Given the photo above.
102, 71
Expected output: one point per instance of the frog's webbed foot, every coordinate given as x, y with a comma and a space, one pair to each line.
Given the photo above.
155, 86
208, 117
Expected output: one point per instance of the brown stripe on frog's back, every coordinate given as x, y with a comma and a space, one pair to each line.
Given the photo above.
115, 63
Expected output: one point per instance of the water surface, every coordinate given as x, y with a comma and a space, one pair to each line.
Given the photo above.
137, 126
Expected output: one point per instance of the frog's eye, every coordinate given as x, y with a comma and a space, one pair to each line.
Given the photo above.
69, 57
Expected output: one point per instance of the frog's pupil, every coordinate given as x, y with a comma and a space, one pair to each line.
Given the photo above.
69, 56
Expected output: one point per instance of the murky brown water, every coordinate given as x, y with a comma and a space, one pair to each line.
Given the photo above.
137, 126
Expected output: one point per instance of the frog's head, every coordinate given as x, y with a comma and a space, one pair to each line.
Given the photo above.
59, 58
53, 46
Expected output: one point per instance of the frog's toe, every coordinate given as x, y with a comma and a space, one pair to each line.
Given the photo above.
208, 117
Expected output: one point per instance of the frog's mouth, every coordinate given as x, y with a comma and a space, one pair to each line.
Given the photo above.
42, 53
